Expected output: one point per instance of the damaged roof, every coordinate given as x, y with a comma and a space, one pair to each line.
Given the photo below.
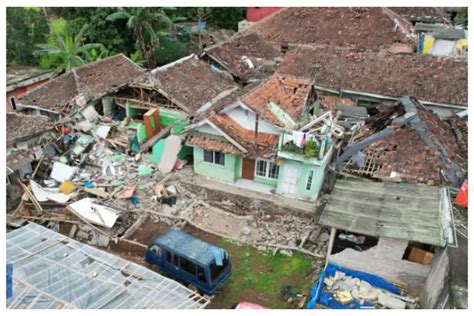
91, 81
20, 76
423, 14
234, 54
289, 93
189, 83
406, 143
22, 127
411, 212
428, 78
367, 28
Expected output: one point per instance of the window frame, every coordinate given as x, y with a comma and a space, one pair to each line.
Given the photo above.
214, 155
268, 165
309, 180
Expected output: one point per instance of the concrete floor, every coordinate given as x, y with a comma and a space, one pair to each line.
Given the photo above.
252, 185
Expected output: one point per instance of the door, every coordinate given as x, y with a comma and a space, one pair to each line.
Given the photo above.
290, 179
248, 168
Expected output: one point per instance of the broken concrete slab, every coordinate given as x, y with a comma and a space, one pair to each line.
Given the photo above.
170, 154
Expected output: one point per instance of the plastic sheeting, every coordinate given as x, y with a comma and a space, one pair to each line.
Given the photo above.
54, 271
96, 213
45, 194
319, 296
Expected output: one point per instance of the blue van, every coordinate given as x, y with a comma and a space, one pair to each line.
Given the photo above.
190, 260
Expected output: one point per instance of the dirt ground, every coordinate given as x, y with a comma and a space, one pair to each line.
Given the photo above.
257, 277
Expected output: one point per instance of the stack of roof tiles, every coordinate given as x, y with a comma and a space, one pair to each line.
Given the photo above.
367, 28
428, 78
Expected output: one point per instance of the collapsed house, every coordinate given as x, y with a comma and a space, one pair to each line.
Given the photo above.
52, 271
396, 231
27, 135
90, 84
247, 57
368, 78
407, 143
365, 28
261, 137
169, 97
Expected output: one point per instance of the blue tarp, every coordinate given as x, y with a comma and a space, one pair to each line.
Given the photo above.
319, 296
9, 280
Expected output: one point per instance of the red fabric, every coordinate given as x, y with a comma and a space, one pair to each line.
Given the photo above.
257, 13
461, 198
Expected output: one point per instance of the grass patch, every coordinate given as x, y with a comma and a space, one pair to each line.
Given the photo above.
259, 277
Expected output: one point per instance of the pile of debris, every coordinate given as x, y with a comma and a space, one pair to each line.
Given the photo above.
347, 289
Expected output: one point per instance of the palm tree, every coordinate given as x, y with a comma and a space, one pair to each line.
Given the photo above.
145, 25
69, 50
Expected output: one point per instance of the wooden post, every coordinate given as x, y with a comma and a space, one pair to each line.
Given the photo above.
331, 244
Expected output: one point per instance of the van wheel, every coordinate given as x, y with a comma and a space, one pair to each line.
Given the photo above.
192, 287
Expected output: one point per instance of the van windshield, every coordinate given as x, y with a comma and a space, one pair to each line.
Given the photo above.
217, 270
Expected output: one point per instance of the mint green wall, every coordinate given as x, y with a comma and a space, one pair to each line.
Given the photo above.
304, 168
141, 132
225, 173
267, 181
238, 167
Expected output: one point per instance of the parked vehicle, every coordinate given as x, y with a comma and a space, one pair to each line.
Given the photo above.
190, 260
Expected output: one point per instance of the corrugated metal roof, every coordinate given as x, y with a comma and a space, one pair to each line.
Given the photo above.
386, 209
52, 271
192, 247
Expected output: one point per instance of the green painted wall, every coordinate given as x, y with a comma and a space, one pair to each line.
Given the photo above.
238, 167
267, 181
225, 173
304, 168
141, 132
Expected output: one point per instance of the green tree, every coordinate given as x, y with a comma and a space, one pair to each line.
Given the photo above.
170, 50
69, 51
147, 24
227, 18
25, 28
461, 17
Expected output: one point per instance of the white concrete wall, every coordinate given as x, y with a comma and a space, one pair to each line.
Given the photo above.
385, 260
208, 129
246, 119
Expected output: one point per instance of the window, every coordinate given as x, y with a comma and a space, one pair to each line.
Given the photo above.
217, 270
155, 250
187, 266
201, 274
309, 182
266, 169
171, 258
214, 157
13, 103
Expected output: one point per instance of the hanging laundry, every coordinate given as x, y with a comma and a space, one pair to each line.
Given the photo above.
298, 138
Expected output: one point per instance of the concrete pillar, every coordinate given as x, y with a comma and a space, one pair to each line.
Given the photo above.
108, 106
331, 243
